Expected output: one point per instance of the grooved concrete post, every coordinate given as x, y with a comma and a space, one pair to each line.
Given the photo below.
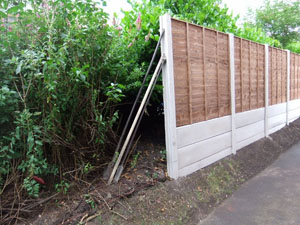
266, 90
169, 97
232, 92
288, 86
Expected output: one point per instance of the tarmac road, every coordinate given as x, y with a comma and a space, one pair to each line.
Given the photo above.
270, 198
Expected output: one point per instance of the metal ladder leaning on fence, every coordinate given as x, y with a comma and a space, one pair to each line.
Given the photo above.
116, 166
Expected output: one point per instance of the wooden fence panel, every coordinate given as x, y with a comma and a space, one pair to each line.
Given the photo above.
249, 75
277, 76
201, 73
261, 75
297, 71
223, 74
211, 78
180, 72
197, 73
293, 90
253, 75
245, 64
295, 64
272, 86
284, 75
295, 76
238, 74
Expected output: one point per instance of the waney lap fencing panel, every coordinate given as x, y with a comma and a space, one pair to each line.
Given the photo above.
222, 93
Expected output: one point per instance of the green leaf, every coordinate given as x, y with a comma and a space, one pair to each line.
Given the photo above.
18, 133
19, 67
3, 13
83, 78
13, 9
39, 143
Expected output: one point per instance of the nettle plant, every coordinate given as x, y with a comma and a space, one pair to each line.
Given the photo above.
59, 87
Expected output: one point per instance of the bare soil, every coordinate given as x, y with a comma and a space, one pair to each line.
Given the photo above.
145, 195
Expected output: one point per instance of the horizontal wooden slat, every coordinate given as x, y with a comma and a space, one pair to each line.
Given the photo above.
201, 70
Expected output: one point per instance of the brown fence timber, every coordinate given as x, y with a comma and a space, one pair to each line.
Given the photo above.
249, 75
277, 76
202, 74
295, 76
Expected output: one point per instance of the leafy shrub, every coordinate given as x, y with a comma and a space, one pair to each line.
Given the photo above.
294, 47
59, 87
62, 187
254, 33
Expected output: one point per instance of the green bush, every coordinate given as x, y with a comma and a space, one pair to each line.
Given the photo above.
254, 33
59, 86
294, 47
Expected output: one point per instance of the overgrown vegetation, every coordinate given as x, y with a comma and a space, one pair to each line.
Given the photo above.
65, 70
59, 88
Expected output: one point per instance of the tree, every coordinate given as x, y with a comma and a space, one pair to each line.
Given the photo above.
280, 19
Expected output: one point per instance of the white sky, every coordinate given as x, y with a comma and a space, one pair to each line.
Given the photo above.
241, 6
237, 6
114, 6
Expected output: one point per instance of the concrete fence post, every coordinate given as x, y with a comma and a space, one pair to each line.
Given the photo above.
232, 93
169, 97
288, 86
266, 90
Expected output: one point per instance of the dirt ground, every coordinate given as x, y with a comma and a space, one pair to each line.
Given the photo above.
145, 195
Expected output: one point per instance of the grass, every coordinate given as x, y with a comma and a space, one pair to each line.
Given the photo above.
208, 190
220, 181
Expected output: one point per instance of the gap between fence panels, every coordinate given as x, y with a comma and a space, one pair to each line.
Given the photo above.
117, 168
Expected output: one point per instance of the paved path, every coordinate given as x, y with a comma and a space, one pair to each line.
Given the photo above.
271, 198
